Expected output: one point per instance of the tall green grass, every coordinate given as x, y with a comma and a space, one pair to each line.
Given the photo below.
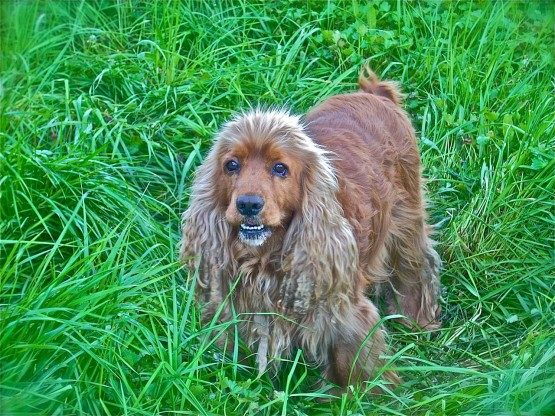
106, 109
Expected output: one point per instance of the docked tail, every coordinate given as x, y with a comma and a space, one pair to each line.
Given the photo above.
372, 85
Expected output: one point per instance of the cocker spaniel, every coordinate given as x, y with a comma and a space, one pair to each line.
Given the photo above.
292, 223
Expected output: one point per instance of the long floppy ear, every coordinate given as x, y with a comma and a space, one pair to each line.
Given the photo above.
320, 254
204, 243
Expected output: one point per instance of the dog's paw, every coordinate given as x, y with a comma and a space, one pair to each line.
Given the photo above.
296, 295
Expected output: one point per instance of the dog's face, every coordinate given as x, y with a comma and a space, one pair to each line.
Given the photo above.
261, 186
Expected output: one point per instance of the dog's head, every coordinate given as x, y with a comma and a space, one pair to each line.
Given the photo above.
263, 160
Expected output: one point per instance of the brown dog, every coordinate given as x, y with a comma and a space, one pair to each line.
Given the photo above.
290, 223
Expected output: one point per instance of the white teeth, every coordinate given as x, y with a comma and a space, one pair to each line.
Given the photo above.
254, 235
252, 227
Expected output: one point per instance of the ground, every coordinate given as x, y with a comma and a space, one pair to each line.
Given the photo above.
106, 109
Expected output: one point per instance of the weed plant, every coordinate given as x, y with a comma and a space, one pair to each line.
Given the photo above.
107, 108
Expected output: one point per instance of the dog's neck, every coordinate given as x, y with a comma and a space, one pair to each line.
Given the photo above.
245, 253
259, 269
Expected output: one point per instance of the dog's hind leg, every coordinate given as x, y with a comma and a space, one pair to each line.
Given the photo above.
415, 270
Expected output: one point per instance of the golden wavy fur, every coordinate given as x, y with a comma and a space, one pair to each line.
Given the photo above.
292, 223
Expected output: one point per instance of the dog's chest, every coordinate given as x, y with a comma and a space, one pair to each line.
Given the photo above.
258, 286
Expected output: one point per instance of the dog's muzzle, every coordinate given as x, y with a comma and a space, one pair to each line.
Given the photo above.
251, 230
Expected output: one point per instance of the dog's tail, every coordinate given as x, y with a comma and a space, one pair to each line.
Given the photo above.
371, 84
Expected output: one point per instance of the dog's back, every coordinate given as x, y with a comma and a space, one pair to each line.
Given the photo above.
375, 155
377, 161
373, 114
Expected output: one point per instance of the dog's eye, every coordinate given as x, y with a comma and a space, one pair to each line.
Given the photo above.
232, 166
280, 169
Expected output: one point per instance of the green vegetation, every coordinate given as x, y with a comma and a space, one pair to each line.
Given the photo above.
106, 109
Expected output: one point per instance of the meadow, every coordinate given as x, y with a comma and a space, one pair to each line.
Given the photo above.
108, 107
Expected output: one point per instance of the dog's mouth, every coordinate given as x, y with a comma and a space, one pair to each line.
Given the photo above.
254, 233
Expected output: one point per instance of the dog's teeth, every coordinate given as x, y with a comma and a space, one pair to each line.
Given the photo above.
252, 227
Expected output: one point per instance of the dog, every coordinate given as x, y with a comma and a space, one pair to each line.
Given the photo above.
293, 223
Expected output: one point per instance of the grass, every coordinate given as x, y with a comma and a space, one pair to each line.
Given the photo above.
106, 109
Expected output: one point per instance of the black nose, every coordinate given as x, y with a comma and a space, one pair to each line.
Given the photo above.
249, 205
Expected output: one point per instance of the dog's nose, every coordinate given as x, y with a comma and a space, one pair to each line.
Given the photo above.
249, 205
